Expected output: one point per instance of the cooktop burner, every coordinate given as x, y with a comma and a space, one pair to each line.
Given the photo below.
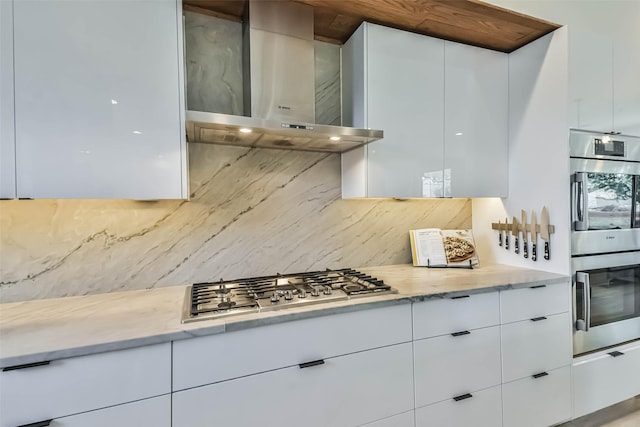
257, 294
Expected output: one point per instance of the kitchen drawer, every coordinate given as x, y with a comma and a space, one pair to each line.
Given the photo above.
347, 390
444, 316
482, 409
406, 419
448, 366
538, 402
79, 384
536, 301
600, 380
154, 412
214, 358
530, 347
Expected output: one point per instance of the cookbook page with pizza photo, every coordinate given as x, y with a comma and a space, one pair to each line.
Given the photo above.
433, 247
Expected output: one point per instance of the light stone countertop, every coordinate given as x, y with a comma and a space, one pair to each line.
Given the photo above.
40, 330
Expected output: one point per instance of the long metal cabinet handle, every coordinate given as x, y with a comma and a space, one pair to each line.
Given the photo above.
38, 424
583, 279
580, 203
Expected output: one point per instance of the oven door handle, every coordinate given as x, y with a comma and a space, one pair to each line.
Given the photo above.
580, 201
582, 279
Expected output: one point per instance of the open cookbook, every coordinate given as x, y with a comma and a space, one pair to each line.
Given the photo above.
433, 247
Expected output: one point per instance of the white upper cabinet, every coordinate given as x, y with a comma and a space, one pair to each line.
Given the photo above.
98, 99
475, 121
604, 94
7, 136
418, 89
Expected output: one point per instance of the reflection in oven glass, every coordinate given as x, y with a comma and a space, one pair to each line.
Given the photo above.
609, 199
613, 295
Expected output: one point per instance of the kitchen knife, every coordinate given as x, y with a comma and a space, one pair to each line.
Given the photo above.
515, 230
544, 231
534, 236
499, 233
525, 243
506, 233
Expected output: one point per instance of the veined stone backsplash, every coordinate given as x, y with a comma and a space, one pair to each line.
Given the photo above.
252, 212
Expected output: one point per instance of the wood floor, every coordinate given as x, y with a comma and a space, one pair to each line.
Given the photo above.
624, 414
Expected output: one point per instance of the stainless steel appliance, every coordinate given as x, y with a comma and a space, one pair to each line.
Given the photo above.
605, 240
257, 294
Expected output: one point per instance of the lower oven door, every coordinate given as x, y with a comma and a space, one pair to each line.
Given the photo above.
606, 300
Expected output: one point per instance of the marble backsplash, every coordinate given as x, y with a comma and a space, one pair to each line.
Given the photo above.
252, 212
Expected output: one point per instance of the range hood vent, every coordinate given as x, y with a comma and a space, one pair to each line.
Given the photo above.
279, 91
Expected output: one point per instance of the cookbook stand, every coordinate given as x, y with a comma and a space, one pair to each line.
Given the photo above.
470, 266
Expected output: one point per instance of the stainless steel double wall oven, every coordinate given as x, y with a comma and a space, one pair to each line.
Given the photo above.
605, 240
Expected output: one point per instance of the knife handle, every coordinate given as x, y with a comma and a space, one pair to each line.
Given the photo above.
547, 253
499, 237
506, 241
525, 247
517, 250
534, 252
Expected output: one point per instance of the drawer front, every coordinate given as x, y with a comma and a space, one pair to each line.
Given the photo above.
449, 366
444, 316
79, 384
214, 358
154, 412
527, 303
483, 409
406, 419
529, 347
602, 380
538, 402
347, 390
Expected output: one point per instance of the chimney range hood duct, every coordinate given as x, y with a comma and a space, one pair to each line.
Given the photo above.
279, 92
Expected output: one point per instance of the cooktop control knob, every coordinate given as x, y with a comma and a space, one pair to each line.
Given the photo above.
275, 297
302, 293
315, 292
288, 295
327, 290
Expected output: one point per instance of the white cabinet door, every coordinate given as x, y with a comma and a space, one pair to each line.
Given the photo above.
535, 301
601, 379
626, 90
475, 121
449, 366
98, 100
479, 409
401, 74
538, 402
344, 391
534, 346
7, 134
406, 419
79, 384
155, 412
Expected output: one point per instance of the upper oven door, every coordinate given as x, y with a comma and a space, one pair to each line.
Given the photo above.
605, 205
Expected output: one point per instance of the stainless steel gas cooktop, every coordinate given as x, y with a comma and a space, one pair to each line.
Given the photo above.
257, 294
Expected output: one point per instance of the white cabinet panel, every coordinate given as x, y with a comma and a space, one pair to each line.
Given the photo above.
483, 409
600, 380
7, 134
406, 419
98, 99
476, 121
449, 366
448, 315
344, 391
538, 402
276, 346
530, 347
155, 412
70, 386
626, 90
536, 301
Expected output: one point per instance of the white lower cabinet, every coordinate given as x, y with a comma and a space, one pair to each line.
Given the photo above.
605, 378
154, 412
538, 401
347, 390
406, 419
478, 409
455, 364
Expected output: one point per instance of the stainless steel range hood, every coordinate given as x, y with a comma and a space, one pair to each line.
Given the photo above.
279, 90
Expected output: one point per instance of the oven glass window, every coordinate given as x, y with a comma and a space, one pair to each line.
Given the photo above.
610, 198
636, 222
615, 294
